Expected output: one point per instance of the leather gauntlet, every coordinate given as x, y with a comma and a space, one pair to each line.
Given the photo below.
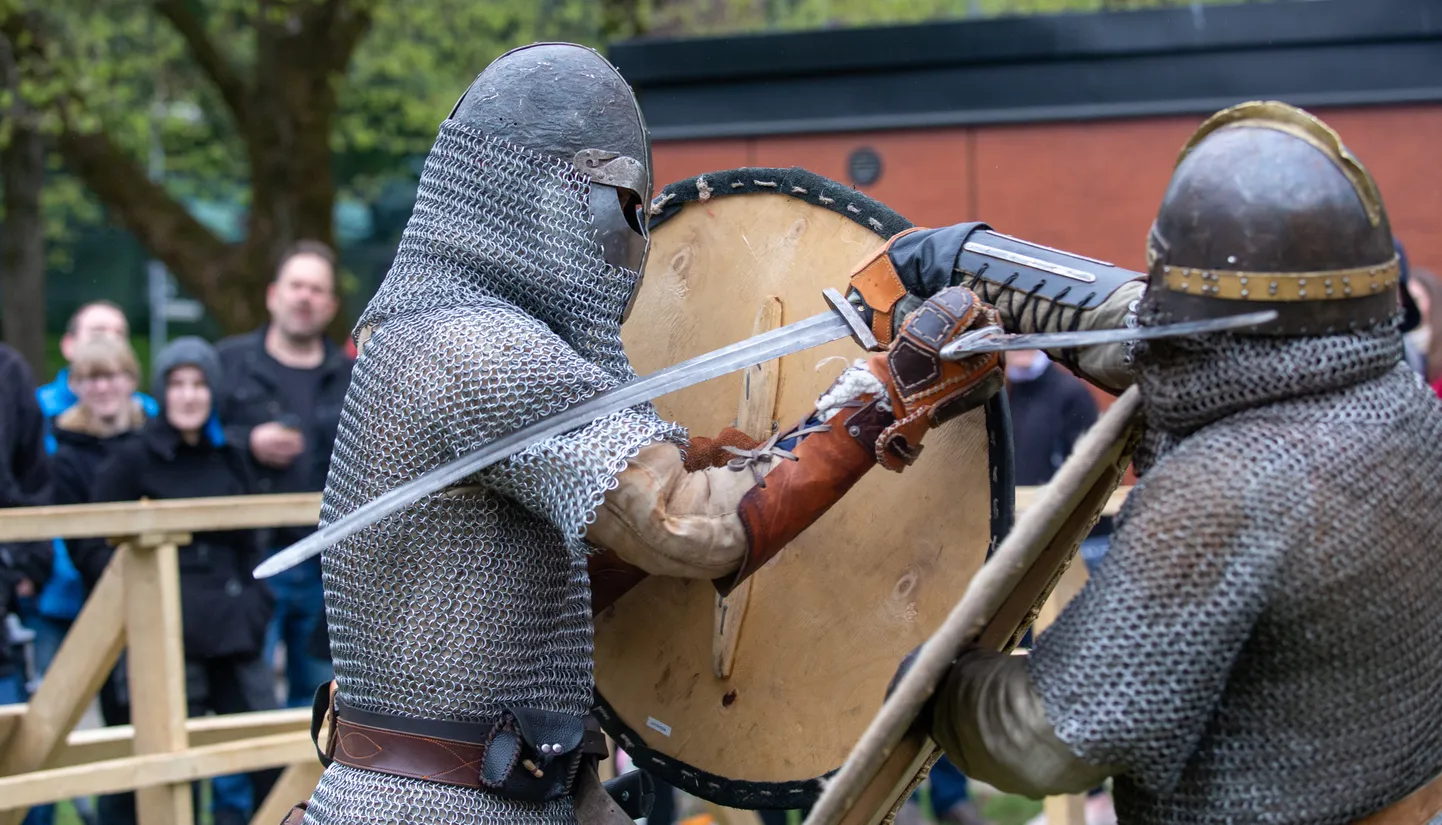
875, 413
924, 389
1034, 288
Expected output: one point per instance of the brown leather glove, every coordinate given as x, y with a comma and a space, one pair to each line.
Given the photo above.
926, 390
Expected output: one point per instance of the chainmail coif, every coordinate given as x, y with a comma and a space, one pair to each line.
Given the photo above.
498, 311
1261, 643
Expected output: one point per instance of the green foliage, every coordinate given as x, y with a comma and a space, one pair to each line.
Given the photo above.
715, 17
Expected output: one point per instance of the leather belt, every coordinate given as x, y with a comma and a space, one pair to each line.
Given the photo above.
478, 755
1416, 808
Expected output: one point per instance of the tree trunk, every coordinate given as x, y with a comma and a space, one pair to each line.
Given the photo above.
22, 246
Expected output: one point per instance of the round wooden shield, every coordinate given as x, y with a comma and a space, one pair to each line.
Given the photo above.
750, 700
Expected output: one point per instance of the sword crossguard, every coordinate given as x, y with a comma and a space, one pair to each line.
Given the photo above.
860, 332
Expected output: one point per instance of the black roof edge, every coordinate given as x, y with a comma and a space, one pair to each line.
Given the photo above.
1035, 38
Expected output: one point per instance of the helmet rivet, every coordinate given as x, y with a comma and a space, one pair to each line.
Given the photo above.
1244, 293
1272, 288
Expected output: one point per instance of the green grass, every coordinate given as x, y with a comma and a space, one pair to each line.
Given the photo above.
1010, 810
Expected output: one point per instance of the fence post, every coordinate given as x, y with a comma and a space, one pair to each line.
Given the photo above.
155, 661
81, 666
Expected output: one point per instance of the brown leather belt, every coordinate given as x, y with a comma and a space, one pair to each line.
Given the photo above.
451, 753
1417, 808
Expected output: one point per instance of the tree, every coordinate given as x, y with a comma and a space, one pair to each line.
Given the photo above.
282, 103
22, 245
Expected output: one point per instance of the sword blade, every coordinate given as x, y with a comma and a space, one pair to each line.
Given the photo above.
801, 335
986, 341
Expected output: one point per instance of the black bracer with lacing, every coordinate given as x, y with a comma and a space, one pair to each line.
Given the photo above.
1035, 288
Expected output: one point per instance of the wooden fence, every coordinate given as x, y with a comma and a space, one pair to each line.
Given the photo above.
136, 607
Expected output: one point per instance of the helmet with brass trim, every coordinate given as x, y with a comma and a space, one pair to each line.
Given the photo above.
1267, 209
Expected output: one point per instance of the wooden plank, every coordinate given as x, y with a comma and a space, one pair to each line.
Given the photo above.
1026, 495
118, 741
295, 785
81, 666
156, 669
134, 518
1065, 810
154, 770
1070, 809
10, 716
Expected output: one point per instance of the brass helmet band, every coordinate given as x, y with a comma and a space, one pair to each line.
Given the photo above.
1224, 243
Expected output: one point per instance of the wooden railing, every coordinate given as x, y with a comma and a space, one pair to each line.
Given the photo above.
136, 607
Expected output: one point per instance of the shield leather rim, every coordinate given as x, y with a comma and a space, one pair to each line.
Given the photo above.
845, 201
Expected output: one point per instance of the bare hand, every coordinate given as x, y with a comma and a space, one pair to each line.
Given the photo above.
25, 589
275, 446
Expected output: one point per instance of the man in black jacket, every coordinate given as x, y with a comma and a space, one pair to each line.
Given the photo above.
24, 482
1050, 409
284, 386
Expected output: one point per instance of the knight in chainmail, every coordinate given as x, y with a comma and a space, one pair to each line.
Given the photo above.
1263, 642
461, 627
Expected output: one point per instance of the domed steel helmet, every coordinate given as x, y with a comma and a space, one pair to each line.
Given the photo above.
567, 102
1268, 210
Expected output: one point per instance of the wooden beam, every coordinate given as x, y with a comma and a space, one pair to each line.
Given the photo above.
1026, 495
156, 669
180, 515
152, 770
294, 786
10, 716
118, 741
81, 666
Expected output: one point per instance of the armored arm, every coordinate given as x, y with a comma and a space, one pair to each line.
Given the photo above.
1034, 288
725, 522
989, 719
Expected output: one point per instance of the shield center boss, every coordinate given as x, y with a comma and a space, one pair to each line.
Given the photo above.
748, 701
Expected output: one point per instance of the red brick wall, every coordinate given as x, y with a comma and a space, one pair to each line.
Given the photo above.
1091, 187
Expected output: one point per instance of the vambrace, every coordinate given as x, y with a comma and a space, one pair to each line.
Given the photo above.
1034, 288
725, 522
989, 719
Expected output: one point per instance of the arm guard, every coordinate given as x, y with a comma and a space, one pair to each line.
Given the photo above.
724, 523
1035, 289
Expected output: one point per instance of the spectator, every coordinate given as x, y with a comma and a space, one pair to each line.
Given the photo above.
183, 453
282, 399
57, 606
1050, 409
97, 319
1412, 317
104, 374
25, 481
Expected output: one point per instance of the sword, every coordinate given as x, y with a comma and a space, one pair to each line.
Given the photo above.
841, 321
995, 339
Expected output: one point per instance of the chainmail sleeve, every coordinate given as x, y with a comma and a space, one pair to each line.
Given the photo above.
563, 479
1133, 669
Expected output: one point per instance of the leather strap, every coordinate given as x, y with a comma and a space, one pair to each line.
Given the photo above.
876, 281
1417, 808
798, 492
296, 815
451, 753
